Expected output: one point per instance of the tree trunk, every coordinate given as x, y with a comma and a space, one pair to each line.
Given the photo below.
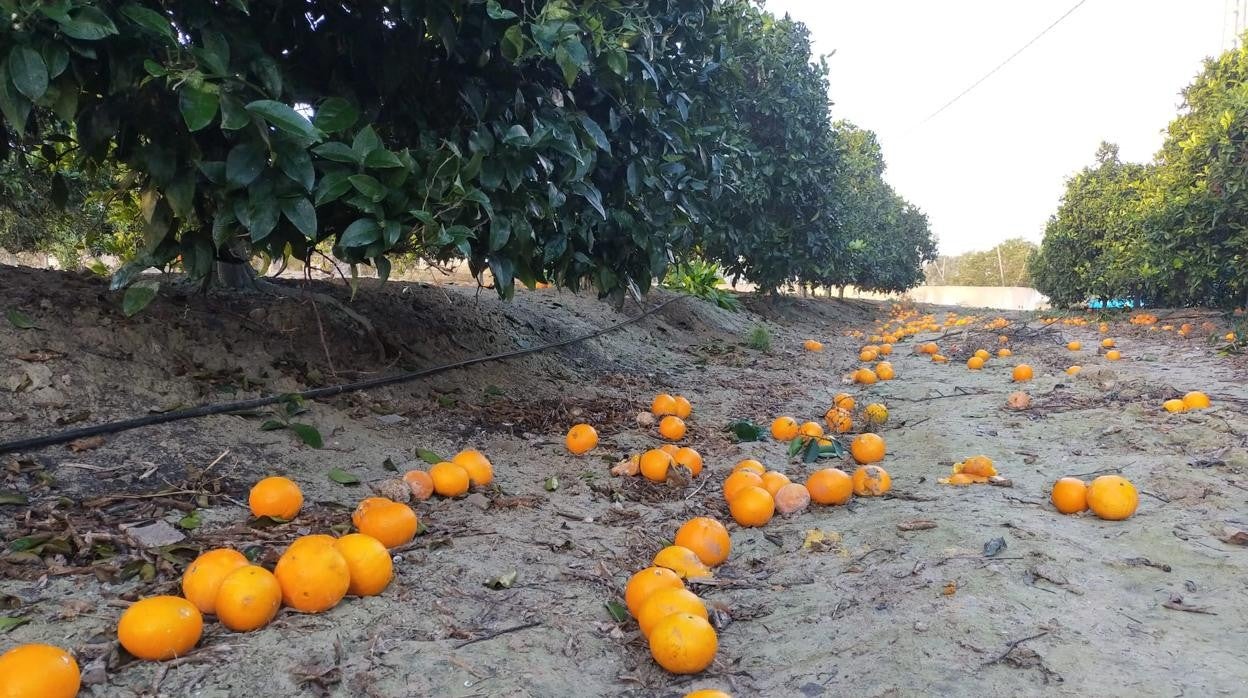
235, 275
840, 293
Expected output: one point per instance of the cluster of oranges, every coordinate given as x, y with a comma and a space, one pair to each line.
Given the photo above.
972, 471
452, 478
883, 369
1195, 400
1111, 497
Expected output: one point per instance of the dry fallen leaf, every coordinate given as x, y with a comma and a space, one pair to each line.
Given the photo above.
1236, 538
85, 444
1175, 602
916, 525
951, 588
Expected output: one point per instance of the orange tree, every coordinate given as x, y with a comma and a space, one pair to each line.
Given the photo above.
542, 139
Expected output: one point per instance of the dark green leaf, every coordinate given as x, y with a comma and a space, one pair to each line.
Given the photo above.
148, 19
199, 107
382, 159
496, 11
29, 542
56, 57
335, 114
88, 24
365, 142
343, 477
284, 118
513, 43
595, 132
59, 194
272, 425
795, 446
745, 430
332, 186
338, 152
7, 623
138, 296
812, 452
368, 186
13, 498
308, 434
362, 232
429, 456
13, 104
244, 163
382, 265
28, 72
617, 611
233, 116
388, 464
300, 212
500, 233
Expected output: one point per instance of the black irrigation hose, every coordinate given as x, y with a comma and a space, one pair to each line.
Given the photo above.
330, 391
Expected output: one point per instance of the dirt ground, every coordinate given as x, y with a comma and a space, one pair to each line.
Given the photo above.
1153, 606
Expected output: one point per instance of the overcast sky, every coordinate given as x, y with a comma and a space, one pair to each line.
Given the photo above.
992, 166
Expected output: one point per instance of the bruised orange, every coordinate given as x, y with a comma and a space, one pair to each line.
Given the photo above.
644, 583
690, 459
844, 401
683, 643
707, 538
683, 561
420, 483
655, 464
581, 439
871, 481
160, 627
839, 420
792, 498
249, 599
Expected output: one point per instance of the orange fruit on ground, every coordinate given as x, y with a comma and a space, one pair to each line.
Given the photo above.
940, 359
974, 363
1070, 495
844, 401
886, 349
1196, 400
1003, 339
868, 355
812, 345
1074, 346
740, 480
672, 428
839, 420
655, 463
277, 497
480, 470
773, 480
669, 449
1022, 372
581, 439
867, 448
1112, 497
830, 486
249, 599
313, 577
876, 413
1113, 355
662, 405
664, 603
421, 484
314, 539
204, 575
160, 627
1107, 343
707, 538
884, 371
643, 584
1073, 370
683, 561
1004, 353
751, 465
784, 429
449, 479
684, 408
792, 498
752, 506
391, 523
964, 479
976, 465
689, 458
38, 671
983, 354
683, 643
928, 348
810, 430
368, 562
708, 693
865, 376
1175, 405
871, 481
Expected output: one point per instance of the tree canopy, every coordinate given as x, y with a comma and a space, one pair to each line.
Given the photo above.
544, 140
1005, 264
1173, 231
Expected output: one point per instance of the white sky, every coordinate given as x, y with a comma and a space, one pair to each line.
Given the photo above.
992, 166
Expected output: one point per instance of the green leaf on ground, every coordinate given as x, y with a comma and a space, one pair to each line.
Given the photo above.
343, 477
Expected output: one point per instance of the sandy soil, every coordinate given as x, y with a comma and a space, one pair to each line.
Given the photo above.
1072, 606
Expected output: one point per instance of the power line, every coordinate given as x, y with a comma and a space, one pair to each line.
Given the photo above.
1000, 65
